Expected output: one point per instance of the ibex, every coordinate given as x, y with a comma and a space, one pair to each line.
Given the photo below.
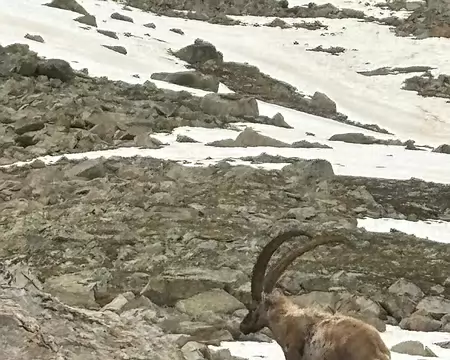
306, 333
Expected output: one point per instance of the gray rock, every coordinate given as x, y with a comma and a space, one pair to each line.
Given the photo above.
323, 103
413, 347
117, 48
74, 289
434, 305
70, 5
37, 38
55, 69
87, 20
249, 138
185, 139
418, 322
192, 79
231, 105
215, 301
88, 169
150, 25
404, 287
199, 52
360, 138
172, 286
121, 17
309, 145
177, 31
278, 120
111, 34
443, 149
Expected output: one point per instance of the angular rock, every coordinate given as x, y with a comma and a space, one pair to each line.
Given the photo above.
55, 69
413, 347
70, 5
118, 16
323, 103
193, 79
111, 34
434, 305
185, 139
117, 48
418, 322
88, 169
87, 20
37, 38
249, 138
215, 301
443, 149
229, 104
199, 52
303, 144
172, 286
404, 287
150, 25
177, 31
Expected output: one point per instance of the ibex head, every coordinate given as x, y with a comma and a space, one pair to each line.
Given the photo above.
262, 286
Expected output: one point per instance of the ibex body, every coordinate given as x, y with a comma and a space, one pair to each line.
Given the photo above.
306, 333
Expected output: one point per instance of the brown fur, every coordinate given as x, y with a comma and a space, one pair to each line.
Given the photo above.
306, 333
310, 334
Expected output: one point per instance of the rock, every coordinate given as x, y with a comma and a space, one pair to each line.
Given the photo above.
88, 169
27, 124
413, 347
87, 20
404, 287
277, 22
172, 286
199, 52
229, 105
360, 138
333, 50
70, 5
323, 103
177, 31
418, 322
73, 289
193, 79
434, 305
305, 213
193, 351
303, 144
278, 120
443, 149
249, 138
118, 16
185, 139
150, 25
306, 170
111, 34
37, 38
117, 48
215, 301
147, 142
55, 69
119, 302
444, 344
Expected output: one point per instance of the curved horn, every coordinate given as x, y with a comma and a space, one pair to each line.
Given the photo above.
275, 273
260, 267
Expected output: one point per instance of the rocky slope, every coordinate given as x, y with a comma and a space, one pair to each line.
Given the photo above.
143, 258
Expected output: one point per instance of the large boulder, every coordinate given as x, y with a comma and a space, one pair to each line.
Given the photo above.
193, 79
229, 105
199, 52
